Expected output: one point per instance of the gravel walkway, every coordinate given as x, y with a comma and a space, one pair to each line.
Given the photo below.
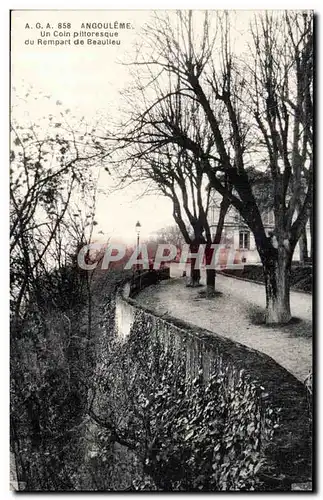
236, 312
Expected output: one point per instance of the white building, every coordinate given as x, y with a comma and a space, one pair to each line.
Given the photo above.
237, 234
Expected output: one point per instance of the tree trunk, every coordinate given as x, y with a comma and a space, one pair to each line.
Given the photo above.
210, 282
277, 268
303, 251
195, 275
211, 273
194, 247
311, 233
224, 207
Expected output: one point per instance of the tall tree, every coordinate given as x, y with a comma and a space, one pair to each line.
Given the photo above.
152, 148
259, 107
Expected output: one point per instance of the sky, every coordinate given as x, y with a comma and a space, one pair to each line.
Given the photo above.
87, 80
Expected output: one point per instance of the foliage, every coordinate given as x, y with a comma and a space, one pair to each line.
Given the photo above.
52, 168
53, 364
50, 358
189, 435
53, 164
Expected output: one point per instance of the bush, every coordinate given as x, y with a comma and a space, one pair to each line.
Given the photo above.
300, 277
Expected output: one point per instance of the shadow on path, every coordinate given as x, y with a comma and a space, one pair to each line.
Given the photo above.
235, 314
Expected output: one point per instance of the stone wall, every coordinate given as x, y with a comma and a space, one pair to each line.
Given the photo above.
291, 447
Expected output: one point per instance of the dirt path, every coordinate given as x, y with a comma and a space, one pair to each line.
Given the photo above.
236, 312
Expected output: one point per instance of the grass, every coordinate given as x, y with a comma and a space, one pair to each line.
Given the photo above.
296, 326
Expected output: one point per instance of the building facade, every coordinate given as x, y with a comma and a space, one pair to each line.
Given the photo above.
236, 234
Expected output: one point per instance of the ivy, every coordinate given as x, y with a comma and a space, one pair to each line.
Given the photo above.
191, 433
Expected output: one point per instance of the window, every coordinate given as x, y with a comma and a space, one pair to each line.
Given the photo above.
268, 218
213, 213
244, 240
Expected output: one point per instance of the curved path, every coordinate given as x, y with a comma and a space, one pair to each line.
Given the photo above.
236, 312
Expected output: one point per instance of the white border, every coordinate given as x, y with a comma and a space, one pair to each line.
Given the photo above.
4, 198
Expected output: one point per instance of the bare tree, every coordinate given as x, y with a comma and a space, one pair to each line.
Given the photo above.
283, 110
50, 172
153, 149
169, 234
259, 108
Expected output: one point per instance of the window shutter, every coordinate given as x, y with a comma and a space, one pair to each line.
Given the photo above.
247, 242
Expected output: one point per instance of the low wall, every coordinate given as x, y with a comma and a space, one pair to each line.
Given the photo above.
290, 450
125, 310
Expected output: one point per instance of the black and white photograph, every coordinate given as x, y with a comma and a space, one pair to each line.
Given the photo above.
161, 250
